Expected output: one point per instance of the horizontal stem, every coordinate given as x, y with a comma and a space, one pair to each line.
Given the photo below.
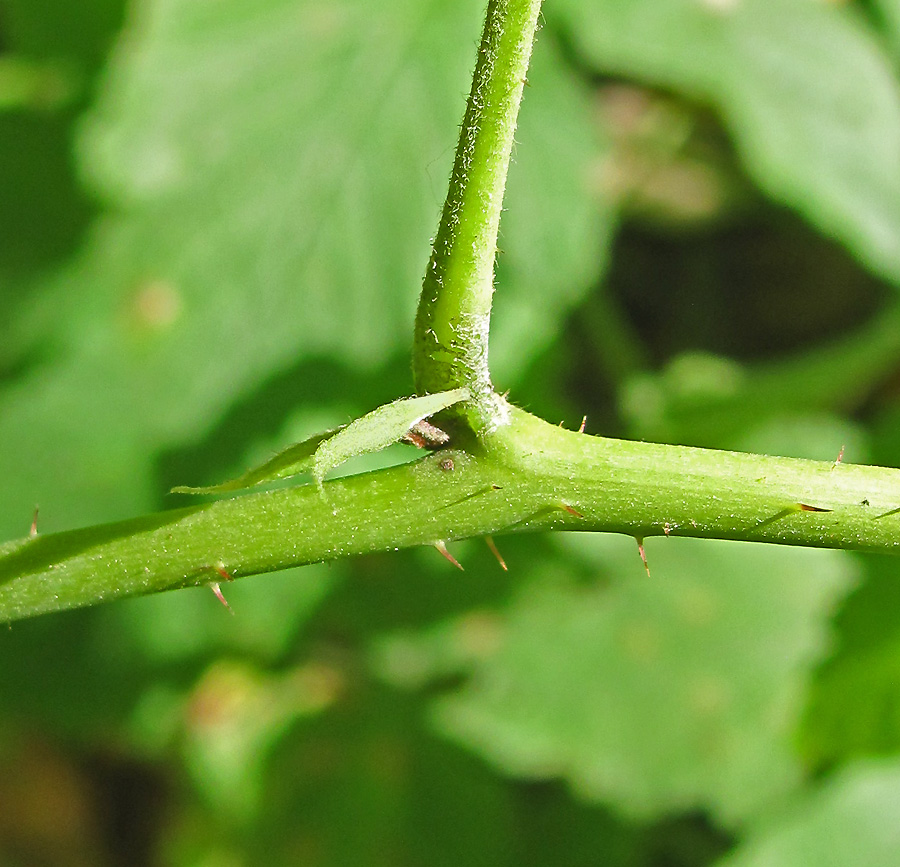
525, 477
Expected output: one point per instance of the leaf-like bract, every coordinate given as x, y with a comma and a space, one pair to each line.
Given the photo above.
325, 451
381, 427
292, 461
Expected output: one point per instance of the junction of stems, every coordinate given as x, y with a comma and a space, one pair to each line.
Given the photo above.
500, 471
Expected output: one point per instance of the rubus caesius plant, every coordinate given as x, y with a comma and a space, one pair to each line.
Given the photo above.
492, 468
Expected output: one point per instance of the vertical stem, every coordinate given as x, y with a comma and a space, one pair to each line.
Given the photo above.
452, 325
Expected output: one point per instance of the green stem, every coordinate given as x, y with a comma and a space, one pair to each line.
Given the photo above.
451, 334
521, 475
528, 476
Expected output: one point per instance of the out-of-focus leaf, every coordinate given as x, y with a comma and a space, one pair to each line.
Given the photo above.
78, 33
26, 84
365, 783
291, 461
854, 706
852, 819
890, 15
52, 51
804, 88
675, 693
708, 400
557, 227
362, 784
236, 716
819, 437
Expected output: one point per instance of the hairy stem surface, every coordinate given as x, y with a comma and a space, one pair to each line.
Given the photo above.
527, 476
451, 333
508, 471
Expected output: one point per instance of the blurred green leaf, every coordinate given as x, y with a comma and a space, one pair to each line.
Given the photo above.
374, 789
713, 401
854, 706
25, 84
890, 17
49, 29
365, 783
804, 88
852, 819
675, 693
51, 54
818, 437
236, 716
558, 224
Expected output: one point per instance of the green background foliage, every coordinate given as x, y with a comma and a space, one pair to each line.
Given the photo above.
213, 222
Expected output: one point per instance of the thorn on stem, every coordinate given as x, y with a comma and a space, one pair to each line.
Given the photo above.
804, 507
640, 544
496, 552
442, 549
580, 427
33, 531
214, 586
217, 590
839, 458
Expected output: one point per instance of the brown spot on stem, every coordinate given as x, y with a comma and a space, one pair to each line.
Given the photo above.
565, 507
425, 435
790, 510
